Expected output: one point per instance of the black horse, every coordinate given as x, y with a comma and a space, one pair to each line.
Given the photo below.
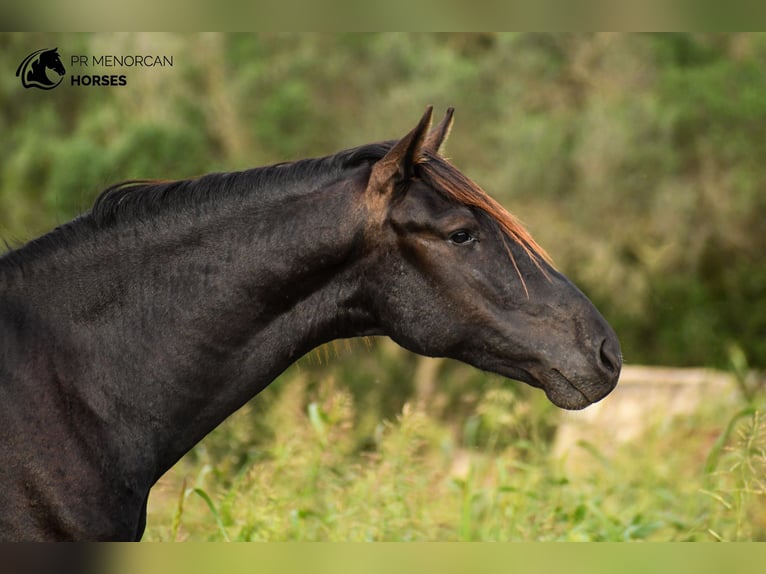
33, 69
131, 332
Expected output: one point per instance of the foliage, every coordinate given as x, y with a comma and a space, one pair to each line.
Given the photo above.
310, 475
635, 159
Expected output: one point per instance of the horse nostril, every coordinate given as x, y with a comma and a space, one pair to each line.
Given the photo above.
610, 359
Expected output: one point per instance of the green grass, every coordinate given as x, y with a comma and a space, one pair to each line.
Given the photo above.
301, 463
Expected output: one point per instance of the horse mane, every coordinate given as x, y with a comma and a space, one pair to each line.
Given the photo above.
141, 200
144, 198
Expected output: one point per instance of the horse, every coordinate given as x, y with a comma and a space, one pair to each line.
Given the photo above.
33, 69
129, 333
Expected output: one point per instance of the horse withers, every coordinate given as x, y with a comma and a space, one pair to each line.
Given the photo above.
131, 332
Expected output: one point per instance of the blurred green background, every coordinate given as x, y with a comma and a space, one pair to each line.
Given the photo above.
636, 160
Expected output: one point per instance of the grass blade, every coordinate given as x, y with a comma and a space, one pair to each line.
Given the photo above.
715, 452
204, 495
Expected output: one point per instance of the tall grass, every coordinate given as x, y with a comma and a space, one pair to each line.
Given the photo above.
304, 463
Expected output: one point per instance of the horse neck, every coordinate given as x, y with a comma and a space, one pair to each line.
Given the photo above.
164, 329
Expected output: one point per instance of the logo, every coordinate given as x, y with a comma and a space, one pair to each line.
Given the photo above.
34, 69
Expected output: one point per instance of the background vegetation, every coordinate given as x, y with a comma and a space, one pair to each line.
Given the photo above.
305, 475
636, 160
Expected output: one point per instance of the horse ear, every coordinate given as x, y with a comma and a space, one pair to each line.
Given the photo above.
398, 164
440, 133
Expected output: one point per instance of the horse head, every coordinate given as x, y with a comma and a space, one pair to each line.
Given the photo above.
52, 61
466, 281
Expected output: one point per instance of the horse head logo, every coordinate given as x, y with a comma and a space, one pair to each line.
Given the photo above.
33, 70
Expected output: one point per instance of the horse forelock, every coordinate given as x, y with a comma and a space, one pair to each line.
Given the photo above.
446, 179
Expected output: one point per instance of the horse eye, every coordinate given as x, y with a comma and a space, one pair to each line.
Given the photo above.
461, 236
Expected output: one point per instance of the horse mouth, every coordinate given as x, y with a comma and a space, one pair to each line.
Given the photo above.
560, 390
565, 394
